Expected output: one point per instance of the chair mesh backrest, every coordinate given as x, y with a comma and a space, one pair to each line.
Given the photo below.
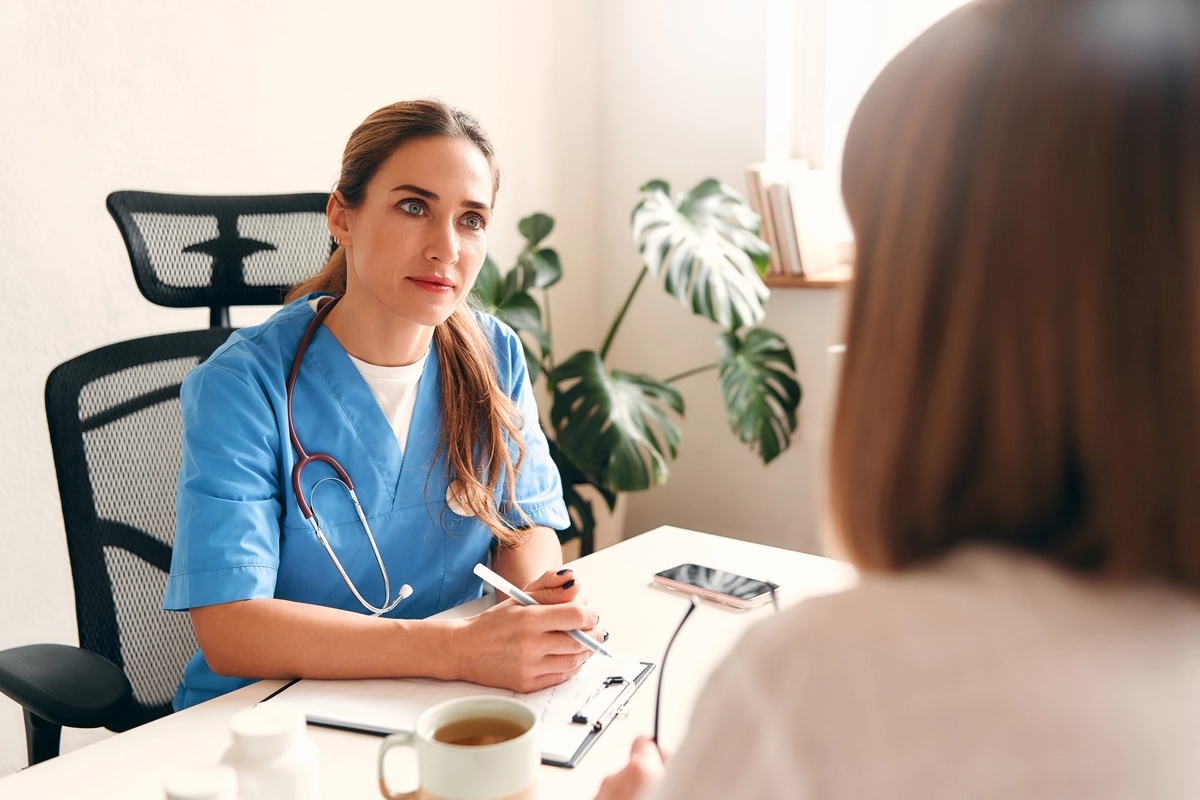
116, 429
192, 251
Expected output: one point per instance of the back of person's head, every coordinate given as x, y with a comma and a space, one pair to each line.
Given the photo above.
1023, 343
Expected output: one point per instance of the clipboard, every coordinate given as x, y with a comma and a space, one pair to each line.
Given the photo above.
573, 714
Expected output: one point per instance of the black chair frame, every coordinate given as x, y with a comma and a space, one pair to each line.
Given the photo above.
57, 685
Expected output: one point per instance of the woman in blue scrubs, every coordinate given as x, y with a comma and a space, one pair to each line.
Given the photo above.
427, 407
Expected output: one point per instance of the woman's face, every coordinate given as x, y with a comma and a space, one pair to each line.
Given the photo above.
417, 241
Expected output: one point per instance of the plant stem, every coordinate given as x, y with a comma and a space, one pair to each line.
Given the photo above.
616, 323
548, 355
690, 373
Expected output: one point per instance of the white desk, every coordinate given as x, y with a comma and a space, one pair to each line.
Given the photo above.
616, 580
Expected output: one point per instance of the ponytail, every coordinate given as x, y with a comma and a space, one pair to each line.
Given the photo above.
479, 420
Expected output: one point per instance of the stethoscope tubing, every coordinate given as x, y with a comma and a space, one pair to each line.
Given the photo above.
306, 459
343, 477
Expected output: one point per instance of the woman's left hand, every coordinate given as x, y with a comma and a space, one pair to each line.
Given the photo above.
561, 587
554, 587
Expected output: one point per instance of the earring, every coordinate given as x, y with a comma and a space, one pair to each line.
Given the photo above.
337, 241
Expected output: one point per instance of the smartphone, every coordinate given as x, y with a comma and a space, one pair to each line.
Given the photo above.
733, 590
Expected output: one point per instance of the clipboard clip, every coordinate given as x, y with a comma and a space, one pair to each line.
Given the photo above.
599, 709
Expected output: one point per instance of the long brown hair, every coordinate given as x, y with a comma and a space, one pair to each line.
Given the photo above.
1023, 343
478, 418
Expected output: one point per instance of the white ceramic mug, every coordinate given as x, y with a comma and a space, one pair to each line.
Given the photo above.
506, 770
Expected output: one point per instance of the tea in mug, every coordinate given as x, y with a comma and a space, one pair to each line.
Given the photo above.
479, 731
469, 748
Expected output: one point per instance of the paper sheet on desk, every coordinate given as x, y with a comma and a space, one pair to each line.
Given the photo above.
388, 705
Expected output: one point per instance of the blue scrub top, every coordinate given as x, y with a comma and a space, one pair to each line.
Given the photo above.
239, 532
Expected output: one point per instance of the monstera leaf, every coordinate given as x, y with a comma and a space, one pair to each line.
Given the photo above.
705, 250
498, 296
760, 389
536, 267
507, 295
614, 426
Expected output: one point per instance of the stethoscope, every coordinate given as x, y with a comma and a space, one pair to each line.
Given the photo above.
323, 309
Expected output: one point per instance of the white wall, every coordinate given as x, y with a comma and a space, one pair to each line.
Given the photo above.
227, 97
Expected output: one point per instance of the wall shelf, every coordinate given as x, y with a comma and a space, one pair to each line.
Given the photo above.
831, 278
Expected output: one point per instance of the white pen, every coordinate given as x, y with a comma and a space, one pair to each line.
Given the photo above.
503, 585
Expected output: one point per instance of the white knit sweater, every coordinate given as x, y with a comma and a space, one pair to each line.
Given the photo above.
987, 675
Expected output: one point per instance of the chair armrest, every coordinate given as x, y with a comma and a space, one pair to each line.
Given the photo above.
64, 685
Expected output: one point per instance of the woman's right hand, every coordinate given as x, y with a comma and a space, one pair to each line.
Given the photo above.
524, 648
643, 772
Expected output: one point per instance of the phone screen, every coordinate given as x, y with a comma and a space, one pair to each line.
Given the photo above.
718, 581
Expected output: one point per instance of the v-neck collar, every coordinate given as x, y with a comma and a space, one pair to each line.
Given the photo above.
403, 474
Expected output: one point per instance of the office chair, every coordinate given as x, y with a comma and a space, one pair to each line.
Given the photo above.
115, 430
192, 251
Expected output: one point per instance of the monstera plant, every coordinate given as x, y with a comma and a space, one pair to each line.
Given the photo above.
616, 430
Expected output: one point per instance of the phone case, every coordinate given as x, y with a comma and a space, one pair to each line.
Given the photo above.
716, 597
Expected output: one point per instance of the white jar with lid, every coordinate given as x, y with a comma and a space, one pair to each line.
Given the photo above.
272, 754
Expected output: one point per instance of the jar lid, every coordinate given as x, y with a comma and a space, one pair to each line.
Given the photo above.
267, 730
209, 782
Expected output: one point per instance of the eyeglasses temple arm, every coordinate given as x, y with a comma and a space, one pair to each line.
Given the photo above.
662, 669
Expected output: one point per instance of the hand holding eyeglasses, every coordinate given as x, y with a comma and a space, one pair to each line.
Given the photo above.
645, 768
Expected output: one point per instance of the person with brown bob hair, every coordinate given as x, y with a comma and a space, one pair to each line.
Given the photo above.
1016, 448
371, 443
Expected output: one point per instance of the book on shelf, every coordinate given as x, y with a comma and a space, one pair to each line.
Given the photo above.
783, 219
803, 221
767, 185
756, 195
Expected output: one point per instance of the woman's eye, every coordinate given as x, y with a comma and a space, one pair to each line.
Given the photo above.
474, 223
413, 207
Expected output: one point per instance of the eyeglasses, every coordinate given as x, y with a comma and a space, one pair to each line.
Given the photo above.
662, 669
